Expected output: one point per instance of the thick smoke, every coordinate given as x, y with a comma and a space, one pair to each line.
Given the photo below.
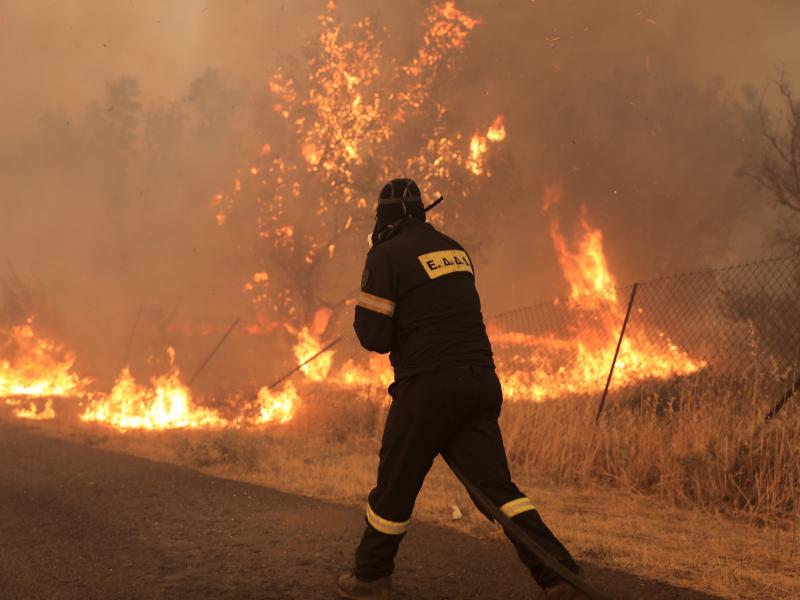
120, 121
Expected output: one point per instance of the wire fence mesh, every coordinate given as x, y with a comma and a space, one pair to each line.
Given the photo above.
723, 322
729, 323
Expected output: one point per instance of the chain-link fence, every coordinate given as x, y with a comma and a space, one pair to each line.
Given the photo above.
724, 323
721, 322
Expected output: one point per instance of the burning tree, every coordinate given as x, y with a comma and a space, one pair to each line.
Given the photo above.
342, 122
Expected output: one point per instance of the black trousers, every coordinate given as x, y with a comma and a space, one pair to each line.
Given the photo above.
453, 413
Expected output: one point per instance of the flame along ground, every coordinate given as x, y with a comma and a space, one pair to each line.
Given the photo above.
542, 367
550, 366
36, 367
340, 117
38, 370
166, 403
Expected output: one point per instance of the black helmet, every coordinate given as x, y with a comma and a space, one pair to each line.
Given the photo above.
399, 199
400, 191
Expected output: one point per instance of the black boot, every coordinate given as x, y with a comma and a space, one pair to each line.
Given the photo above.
350, 586
562, 591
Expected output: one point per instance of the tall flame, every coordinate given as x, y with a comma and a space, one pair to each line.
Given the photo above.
584, 268
552, 366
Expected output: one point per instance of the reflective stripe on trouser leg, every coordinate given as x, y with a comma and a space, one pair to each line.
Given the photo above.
385, 525
516, 507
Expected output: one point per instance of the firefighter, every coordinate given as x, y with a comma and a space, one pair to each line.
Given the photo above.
418, 301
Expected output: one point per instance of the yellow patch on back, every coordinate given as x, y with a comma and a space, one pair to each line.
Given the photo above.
445, 262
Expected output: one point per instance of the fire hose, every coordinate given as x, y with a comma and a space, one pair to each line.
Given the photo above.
513, 530
519, 535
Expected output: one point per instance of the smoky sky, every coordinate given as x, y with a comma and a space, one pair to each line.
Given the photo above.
642, 109
56, 53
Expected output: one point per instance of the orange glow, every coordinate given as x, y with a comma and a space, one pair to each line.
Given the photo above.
36, 367
497, 130
343, 122
585, 267
312, 154
377, 372
166, 403
340, 115
277, 407
551, 366
477, 150
479, 146
308, 345
33, 413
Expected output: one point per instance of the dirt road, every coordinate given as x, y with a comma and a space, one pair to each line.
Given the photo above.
78, 522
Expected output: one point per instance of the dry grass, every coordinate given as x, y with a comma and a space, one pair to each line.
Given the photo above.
697, 443
680, 483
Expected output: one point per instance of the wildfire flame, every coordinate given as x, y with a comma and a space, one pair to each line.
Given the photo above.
344, 120
348, 108
38, 367
479, 145
164, 404
33, 413
277, 407
585, 269
550, 366
542, 367
308, 345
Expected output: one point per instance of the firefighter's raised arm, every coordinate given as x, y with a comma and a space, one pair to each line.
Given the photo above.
376, 303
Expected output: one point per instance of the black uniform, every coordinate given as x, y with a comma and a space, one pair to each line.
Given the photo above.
419, 302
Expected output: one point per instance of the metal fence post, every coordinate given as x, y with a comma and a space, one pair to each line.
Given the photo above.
616, 353
208, 358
